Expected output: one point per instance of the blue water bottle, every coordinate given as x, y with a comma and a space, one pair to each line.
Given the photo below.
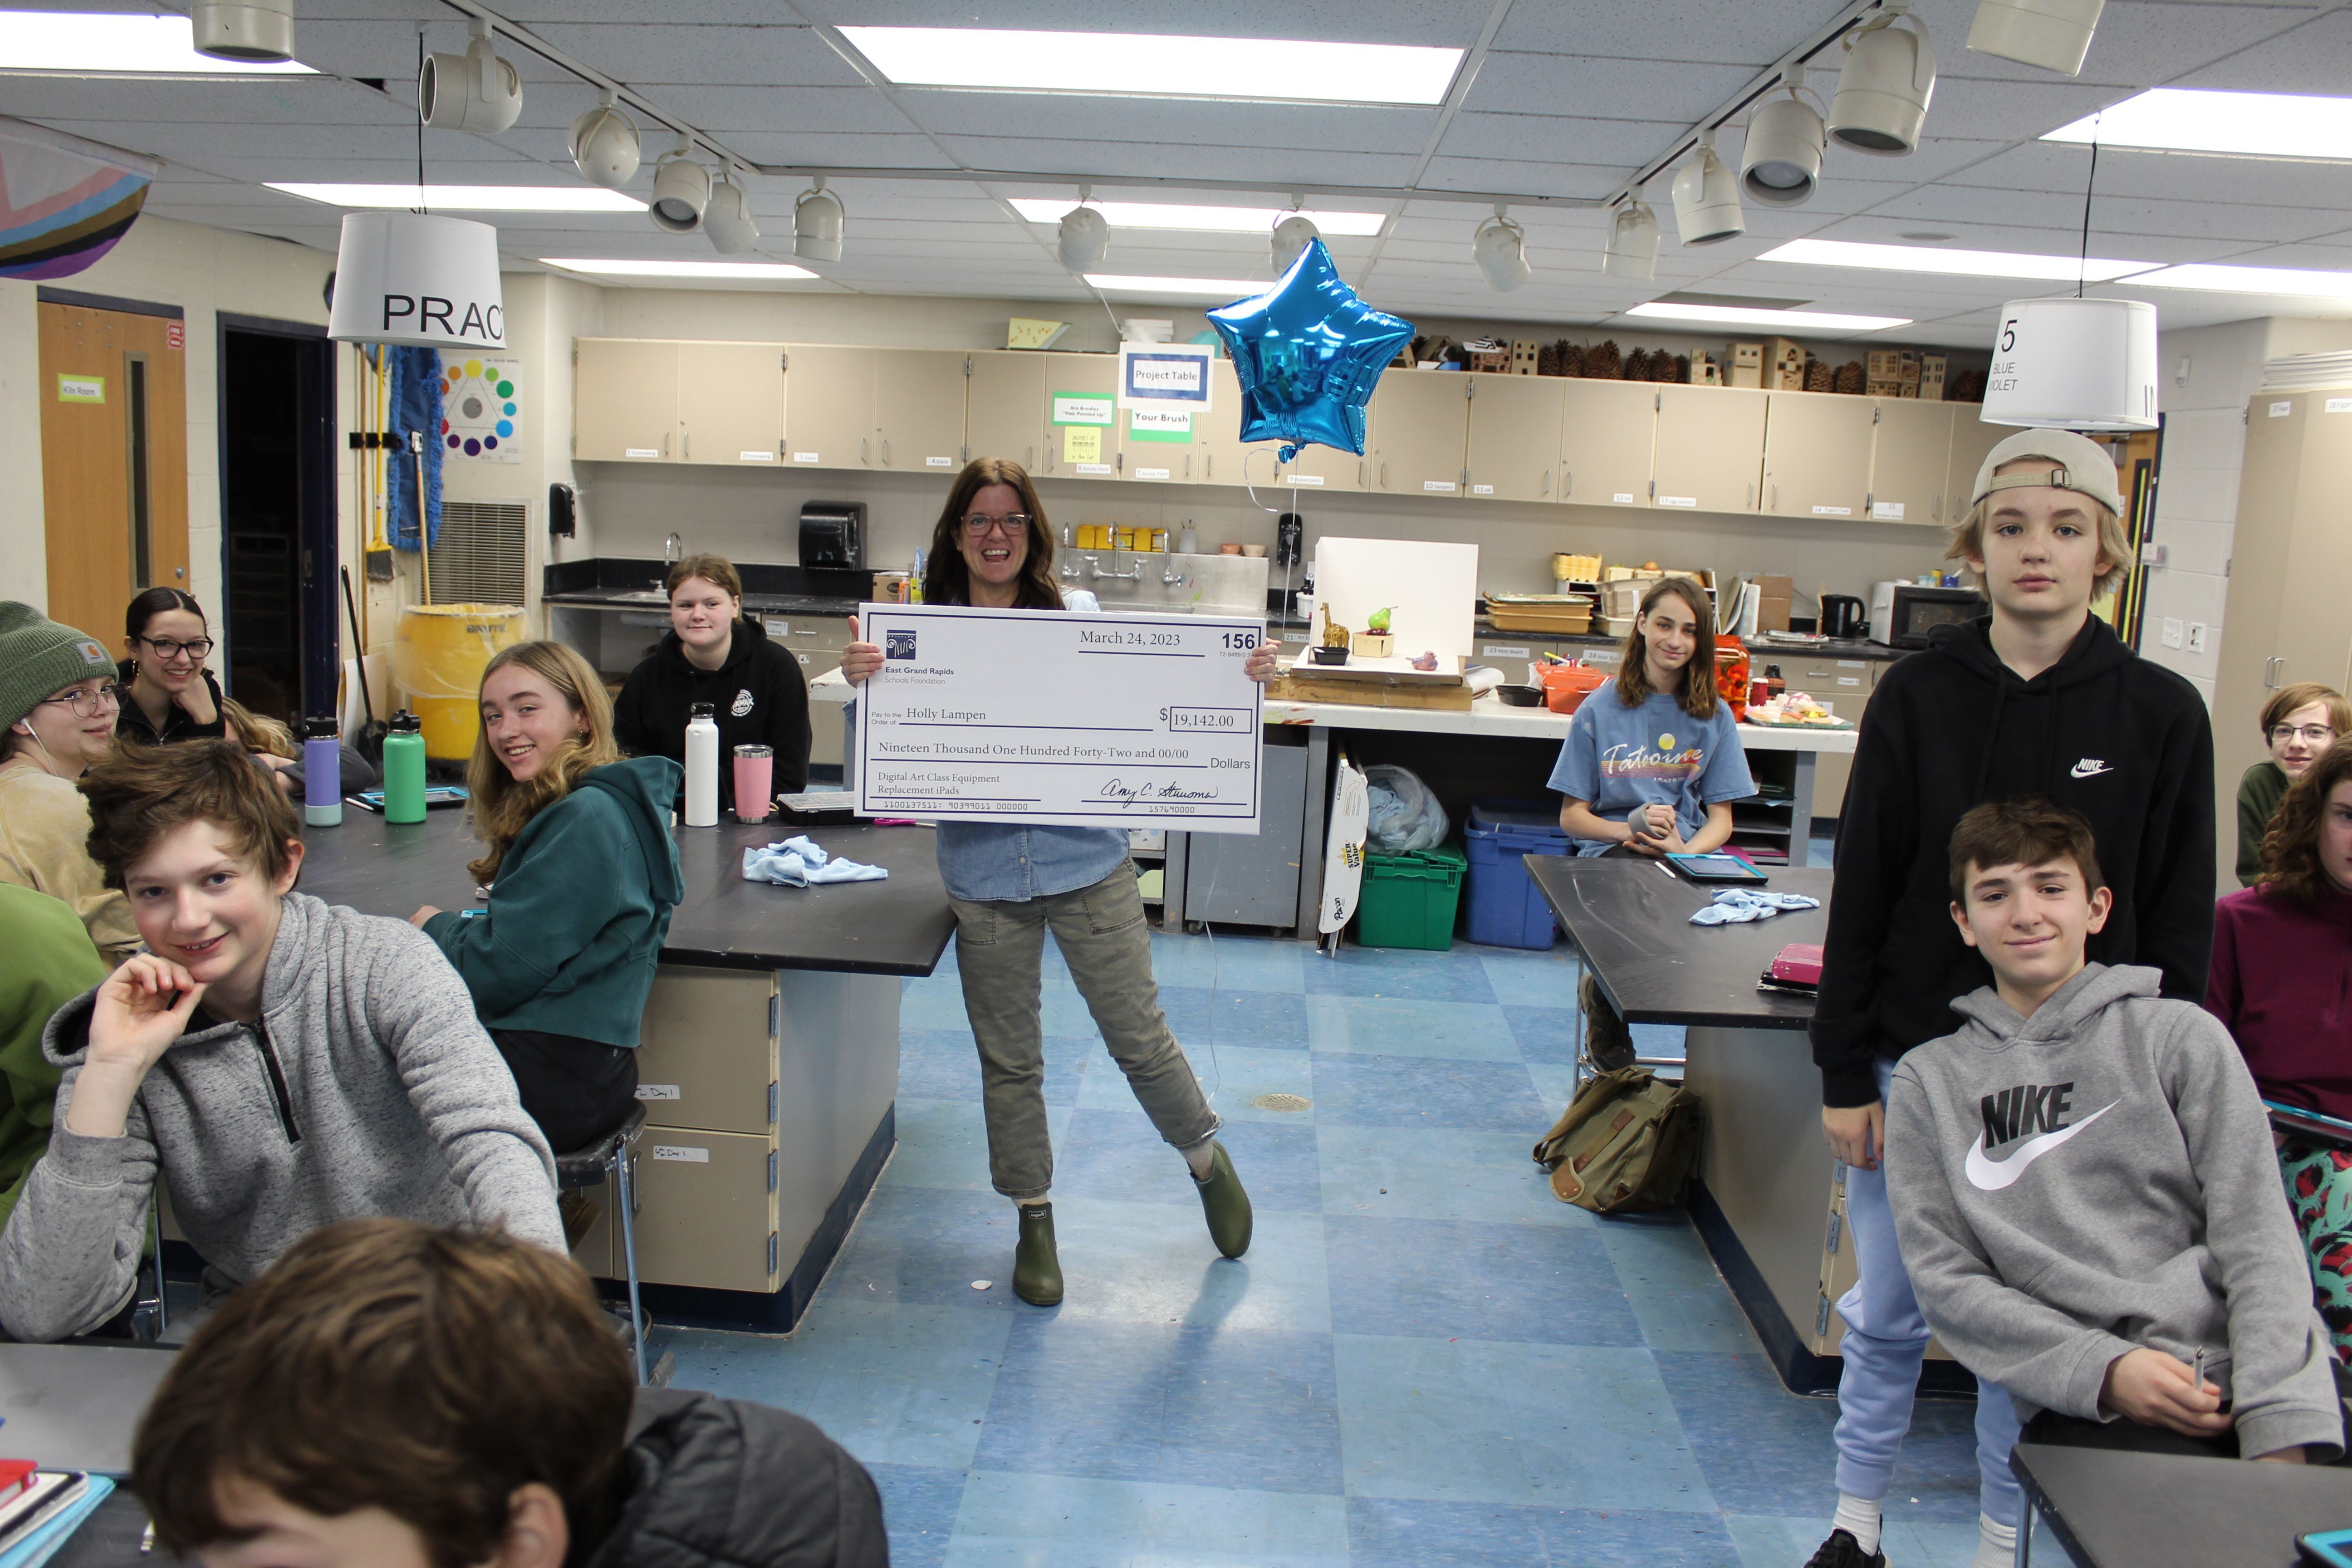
322, 773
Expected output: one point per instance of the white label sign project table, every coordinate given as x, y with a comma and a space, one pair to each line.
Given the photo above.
1047, 716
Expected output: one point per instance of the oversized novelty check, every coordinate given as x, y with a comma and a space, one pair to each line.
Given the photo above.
1049, 717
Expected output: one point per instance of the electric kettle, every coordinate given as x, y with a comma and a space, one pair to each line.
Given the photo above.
1842, 615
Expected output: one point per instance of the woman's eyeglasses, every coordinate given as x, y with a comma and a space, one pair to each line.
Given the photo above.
1014, 526
167, 649
2316, 734
89, 704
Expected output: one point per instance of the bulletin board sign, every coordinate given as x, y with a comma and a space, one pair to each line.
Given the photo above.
1165, 375
1171, 425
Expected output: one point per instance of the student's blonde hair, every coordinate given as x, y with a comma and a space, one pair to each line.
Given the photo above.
1965, 539
501, 807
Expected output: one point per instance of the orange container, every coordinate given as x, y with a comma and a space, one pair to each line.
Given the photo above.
1731, 675
1566, 686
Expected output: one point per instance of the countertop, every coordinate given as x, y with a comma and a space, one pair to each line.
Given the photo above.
1631, 920
900, 926
753, 603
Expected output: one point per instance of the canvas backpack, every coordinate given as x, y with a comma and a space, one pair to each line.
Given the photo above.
1627, 1144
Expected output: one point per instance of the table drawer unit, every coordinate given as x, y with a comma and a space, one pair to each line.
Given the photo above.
709, 1056
708, 1217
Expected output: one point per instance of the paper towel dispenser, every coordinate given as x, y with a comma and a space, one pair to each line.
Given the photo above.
833, 534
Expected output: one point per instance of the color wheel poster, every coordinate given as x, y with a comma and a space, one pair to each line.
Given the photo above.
479, 404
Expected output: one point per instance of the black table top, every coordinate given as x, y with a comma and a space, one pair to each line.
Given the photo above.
2114, 1509
900, 926
1631, 920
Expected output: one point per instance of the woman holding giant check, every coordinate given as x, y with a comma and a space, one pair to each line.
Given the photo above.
1008, 883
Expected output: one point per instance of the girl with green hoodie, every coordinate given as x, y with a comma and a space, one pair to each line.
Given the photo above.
582, 876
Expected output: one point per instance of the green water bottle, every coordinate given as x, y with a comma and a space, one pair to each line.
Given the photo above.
403, 769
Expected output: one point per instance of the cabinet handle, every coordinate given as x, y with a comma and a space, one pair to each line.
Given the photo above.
1208, 465
1384, 476
886, 451
1359, 473
1776, 497
1188, 465
665, 445
1936, 511
861, 451
1546, 483
686, 445
1029, 461
1120, 463
1567, 484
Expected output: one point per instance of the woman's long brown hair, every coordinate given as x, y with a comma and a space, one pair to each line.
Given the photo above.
2290, 848
1697, 697
947, 581
499, 806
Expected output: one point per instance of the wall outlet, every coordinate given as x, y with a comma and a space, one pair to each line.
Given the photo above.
2197, 637
2171, 634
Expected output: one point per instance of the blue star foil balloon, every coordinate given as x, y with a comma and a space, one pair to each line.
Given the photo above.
1307, 354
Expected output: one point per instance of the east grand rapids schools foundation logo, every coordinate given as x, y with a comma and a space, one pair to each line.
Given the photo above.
899, 645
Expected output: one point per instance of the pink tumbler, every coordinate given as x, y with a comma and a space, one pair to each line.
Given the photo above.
755, 782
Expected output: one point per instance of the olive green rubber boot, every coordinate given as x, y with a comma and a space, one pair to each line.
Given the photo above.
1036, 1266
1225, 1203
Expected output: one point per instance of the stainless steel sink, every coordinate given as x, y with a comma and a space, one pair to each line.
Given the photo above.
642, 597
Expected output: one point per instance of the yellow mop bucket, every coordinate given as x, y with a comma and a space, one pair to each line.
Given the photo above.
437, 659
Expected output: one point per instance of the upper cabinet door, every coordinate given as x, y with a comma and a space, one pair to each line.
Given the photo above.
1710, 452
1513, 438
829, 407
1004, 406
1421, 433
1081, 417
1609, 436
1908, 466
730, 403
918, 403
1218, 455
625, 400
1973, 438
1816, 454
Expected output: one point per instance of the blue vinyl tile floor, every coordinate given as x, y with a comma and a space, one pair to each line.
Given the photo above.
1425, 1361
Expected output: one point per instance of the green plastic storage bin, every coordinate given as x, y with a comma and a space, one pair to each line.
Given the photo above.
1409, 901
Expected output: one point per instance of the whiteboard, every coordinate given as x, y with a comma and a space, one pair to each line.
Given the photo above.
1430, 591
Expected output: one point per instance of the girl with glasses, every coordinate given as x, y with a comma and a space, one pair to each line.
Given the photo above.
2300, 722
58, 697
1008, 884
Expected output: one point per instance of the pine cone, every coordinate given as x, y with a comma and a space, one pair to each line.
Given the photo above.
1603, 362
1637, 365
1548, 359
1571, 358
1677, 370
1969, 386
1819, 377
1850, 379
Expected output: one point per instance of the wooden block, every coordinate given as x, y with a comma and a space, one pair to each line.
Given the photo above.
1294, 687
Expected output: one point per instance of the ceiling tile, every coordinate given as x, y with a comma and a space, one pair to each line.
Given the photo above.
1603, 88
2139, 43
1074, 117
2314, 59
1559, 138
641, 53
1750, 32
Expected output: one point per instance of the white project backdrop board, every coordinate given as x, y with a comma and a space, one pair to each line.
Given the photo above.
1430, 590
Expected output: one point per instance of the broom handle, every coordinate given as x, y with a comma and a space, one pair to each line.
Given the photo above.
351, 608
424, 535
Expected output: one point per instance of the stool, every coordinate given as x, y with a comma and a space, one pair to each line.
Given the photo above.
614, 1157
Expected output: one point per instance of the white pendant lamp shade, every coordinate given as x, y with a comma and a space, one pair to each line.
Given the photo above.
1291, 236
1084, 239
417, 281
816, 225
1781, 164
1706, 198
681, 190
475, 91
727, 218
1500, 248
2052, 34
1882, 91
1633, 250
606, 146
246, 30
2074, 365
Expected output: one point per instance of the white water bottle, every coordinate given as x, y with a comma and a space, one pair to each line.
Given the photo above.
701, 766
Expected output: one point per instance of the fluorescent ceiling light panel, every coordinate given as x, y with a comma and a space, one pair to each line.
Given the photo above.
1722, 315
1967, 263
2220, 279
1209, 220
1219, 288
467, 198
2250, 124
92, 42
723, 270
1148, 65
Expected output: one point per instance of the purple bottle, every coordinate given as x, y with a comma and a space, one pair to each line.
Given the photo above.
322, 773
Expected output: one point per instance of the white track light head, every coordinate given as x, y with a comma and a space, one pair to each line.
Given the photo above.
476, 91
1501, 246
1633, 242
1291, 236
606, 147
2052, 34
1085, 238
681, 190
1706, 198
1781, 165
816, 225
1882, 91
727, 218
244, 30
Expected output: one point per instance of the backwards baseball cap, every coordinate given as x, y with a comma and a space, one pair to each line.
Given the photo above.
2075, 463
38, 656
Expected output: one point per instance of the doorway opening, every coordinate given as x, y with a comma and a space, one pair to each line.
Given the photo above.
278, 551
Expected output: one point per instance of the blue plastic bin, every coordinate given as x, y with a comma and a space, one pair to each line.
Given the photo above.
1504, 909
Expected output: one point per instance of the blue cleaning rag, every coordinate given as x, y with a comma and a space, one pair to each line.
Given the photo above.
415, 405
799, 863
1736, 906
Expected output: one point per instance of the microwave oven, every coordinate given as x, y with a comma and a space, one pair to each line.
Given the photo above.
1903, 613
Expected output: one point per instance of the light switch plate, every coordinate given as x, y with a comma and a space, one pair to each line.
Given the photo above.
2171, 632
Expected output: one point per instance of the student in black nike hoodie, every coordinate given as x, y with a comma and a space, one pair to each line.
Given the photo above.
713, 653
2039, 699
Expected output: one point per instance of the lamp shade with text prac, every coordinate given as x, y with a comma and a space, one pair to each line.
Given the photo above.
2074, 365
417, 281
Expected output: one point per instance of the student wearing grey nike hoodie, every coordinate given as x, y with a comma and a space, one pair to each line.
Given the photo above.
2083, 1187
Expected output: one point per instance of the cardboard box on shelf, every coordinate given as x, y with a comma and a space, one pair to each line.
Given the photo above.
1706, 370
1522, 356
1773, 597
1745, 367
1784, 364
1931, 376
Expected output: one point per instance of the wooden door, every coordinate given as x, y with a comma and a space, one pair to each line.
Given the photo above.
114, 460
625, 400
1710, 449
730, 404
1513, 450
1004, 406
1080, 383
1907, 466
2270, 502
1816, 454
1609, 436
1421, 433
829, 407
918, 405
1971, 440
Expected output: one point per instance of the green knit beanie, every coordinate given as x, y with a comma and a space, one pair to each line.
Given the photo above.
39, 657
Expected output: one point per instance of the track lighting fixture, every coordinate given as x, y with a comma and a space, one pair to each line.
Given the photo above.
2052, 34
604, 145
1085, 238
1884, 88
816, 224
477, 92
1500, 246
1633, 250
1706, 198
1781, 164
1292, 235
727, 218
242, 29
681, 190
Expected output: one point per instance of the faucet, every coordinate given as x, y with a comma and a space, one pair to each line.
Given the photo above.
1171, 578
672, 548
1094, 570
1068, 570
